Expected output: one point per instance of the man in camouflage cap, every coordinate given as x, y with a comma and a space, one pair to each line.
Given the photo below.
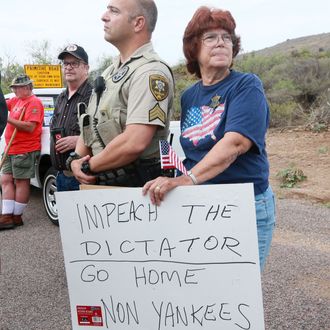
26, 114
129, 114
21, 80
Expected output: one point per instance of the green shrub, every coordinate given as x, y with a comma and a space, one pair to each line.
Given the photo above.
180, 85
183, 80
323, 150
290, 177
282, 114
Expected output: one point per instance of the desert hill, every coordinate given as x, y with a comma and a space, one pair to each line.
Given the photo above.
314, 43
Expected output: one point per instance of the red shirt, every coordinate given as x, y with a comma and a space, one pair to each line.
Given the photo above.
34, 112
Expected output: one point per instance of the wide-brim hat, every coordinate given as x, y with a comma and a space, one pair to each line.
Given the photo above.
21, 80
76, 51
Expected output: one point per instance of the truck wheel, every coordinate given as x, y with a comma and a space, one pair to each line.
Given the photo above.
48, 195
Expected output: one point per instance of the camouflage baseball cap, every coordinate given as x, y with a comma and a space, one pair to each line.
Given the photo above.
21, 80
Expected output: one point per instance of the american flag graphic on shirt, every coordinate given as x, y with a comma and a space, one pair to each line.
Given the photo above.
169, 159
201, 122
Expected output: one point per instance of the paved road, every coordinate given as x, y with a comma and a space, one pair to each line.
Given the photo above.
33, 289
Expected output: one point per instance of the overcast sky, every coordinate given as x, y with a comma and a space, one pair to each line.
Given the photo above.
260, 23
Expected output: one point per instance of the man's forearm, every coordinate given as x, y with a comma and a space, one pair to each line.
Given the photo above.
81, 148
123, 149
25, 126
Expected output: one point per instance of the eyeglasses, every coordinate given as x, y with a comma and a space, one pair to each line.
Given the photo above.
211, 40
73, 64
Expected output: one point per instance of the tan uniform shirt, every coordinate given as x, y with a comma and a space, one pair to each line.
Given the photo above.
139, 91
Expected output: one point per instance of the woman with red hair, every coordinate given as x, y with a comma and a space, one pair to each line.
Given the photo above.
224, 120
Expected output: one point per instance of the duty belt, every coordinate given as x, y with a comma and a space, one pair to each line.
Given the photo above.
132, 175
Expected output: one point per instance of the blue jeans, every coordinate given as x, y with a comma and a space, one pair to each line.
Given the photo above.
265, 212
66, 183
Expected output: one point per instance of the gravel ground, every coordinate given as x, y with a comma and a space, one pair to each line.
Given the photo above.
296, 280
33, 289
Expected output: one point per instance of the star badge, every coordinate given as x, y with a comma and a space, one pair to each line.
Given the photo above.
158, 87
215, 101
120, 74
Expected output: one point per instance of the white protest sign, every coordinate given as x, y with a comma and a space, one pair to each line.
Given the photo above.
191, 263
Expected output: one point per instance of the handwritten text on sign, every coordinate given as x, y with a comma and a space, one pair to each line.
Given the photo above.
191, 263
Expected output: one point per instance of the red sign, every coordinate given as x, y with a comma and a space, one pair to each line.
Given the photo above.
90, 316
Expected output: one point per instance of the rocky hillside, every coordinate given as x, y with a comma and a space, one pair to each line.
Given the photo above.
315, 43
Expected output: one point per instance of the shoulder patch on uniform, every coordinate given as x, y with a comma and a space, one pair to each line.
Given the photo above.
157, 113
158, 86
120, 74
34, 110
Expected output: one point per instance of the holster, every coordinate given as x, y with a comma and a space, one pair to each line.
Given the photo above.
133, 175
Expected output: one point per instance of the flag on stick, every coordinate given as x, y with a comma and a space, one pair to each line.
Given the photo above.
169, 159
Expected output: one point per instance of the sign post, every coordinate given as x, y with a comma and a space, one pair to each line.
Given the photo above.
191, 263
44, 75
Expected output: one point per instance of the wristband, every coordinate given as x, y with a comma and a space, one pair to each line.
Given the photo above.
85, 167
72, 156
192, 177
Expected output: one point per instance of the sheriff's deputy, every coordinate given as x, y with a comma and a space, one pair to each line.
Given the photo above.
130, 109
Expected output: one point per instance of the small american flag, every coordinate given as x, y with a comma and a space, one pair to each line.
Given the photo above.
169, 159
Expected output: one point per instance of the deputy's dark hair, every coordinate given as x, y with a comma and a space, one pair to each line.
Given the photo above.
204, 19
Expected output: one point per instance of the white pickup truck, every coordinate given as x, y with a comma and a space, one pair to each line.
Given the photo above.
45, 173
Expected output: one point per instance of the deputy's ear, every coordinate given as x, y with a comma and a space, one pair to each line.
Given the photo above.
139, 23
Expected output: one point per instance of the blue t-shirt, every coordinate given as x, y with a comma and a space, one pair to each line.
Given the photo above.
235, 104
